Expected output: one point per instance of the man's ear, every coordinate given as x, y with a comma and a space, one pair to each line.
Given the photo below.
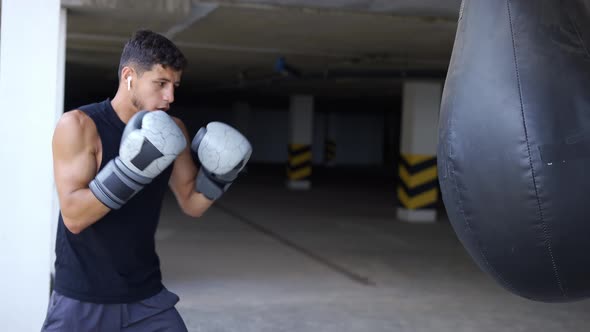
127, 74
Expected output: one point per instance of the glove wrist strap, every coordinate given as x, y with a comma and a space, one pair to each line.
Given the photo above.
208, 187
113, 186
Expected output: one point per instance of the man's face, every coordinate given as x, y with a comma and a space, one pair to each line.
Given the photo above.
154, 89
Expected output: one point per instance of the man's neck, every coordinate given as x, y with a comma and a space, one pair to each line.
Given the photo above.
123, 106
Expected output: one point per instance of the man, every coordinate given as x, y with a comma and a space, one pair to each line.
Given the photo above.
113, 161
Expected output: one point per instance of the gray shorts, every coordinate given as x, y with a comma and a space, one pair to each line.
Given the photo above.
156, 313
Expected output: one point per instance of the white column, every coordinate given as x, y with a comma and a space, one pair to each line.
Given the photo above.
32, 60
61, 71
418, 189
300, 140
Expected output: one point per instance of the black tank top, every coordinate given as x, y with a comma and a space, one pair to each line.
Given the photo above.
114, 260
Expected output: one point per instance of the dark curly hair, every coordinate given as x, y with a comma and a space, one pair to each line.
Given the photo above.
146, 49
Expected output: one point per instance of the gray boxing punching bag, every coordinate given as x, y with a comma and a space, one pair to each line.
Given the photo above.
514, 144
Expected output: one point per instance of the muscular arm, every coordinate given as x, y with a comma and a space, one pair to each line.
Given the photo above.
75, 165
182, 182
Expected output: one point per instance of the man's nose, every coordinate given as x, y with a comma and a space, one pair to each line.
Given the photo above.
169, 95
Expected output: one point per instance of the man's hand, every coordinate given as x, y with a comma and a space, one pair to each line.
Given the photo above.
150, 143
222, 152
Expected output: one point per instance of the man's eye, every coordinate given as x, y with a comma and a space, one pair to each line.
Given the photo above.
160, 84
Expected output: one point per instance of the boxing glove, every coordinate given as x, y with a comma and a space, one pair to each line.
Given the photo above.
222, 152
150, 143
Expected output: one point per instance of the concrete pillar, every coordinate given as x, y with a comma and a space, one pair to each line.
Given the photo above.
418, 188
60, 108
330, 139
32, 60
300, 140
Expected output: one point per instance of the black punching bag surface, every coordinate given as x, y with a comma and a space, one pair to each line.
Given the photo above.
514, 144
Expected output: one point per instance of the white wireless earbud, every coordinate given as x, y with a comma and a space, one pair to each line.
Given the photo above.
128, 83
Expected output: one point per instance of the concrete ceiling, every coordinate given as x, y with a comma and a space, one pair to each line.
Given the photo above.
340, 47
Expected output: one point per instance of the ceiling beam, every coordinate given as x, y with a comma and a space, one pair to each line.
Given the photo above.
333, 8
210, 46
198, 12
354, 58
134, 7
184, 8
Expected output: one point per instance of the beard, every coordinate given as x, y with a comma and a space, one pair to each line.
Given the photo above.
136, 103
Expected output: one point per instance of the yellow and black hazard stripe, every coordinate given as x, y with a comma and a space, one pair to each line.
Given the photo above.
299, 164
418, 188
329, 150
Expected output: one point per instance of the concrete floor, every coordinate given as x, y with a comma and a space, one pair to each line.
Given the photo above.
334, 259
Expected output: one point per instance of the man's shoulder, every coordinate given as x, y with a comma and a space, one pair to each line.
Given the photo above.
74, 119
76, 122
